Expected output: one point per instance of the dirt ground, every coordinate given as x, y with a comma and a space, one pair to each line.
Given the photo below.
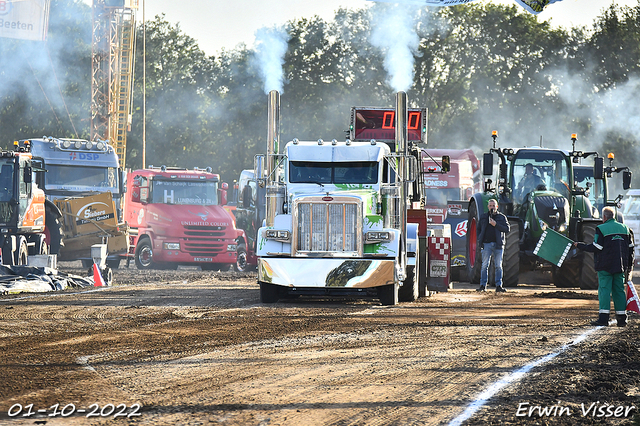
192, 348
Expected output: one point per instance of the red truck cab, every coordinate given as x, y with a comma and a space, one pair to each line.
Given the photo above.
176, 216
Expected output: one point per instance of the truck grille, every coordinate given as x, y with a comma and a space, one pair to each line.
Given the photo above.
204, 240
202, 247
204, 231
327, 227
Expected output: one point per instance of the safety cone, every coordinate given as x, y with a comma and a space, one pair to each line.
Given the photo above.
632, 298
98, 281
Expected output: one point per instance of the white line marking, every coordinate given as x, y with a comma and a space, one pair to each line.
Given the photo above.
513, 377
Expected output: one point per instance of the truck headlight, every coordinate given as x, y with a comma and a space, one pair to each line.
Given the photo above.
278, 235
377, 236
232, 247
171, 246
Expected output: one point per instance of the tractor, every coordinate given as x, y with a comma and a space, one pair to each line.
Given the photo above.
536, 190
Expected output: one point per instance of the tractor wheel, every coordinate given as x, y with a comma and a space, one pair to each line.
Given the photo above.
388, 294
568, 275
53, 233
474, 256
269, 293
588, 275
409, 290
241, 262
511, 256
144, 254
23, 251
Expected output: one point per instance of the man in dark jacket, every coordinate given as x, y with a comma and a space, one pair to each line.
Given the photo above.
612, 250
491, 233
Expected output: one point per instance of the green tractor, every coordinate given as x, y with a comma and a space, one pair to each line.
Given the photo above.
536, 190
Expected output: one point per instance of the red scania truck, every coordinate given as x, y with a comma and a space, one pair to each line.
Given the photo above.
177, 218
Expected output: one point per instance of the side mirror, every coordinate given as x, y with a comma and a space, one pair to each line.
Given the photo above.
28, 175
598, 168
626, 179
224, 186
446, 164
487, 164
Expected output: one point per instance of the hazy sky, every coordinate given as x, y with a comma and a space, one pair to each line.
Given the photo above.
218, 24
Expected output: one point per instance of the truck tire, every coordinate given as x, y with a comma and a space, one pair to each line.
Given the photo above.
144, 254
53, 233
588, 275
23, 251
511, 256
409, 290
43, 248
388, 294
241, 262
269, 293
474, 257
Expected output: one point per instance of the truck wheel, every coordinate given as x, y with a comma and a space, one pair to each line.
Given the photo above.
388, 294
511, 256
23, 251
409, 290
53, 233
269, 293
241, 262
474, 256
144, 254
43, 248
588, 275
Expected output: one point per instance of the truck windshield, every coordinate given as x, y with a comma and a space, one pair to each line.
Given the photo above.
6, 179
184, 192
337, 173
78, 176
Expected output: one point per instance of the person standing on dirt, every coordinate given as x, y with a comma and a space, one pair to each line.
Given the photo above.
491, 233
612, 250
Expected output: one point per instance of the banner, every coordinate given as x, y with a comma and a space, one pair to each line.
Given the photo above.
531, 6
24, 19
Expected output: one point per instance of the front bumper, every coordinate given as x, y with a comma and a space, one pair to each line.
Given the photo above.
326, 273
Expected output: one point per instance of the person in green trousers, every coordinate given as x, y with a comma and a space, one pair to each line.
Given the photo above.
612, 250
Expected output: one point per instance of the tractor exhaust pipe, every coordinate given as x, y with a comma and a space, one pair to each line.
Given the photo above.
273, 147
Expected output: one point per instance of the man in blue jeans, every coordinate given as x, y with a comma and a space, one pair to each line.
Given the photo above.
491, 233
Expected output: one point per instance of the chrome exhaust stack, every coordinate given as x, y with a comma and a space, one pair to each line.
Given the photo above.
273, 147
402, 151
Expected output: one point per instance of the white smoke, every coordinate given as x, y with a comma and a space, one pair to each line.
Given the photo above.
394, 33
271, 46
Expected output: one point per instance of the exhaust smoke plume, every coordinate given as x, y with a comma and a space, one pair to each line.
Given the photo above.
393, 33
271, 46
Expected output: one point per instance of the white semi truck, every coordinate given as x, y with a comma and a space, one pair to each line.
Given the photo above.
336, 215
